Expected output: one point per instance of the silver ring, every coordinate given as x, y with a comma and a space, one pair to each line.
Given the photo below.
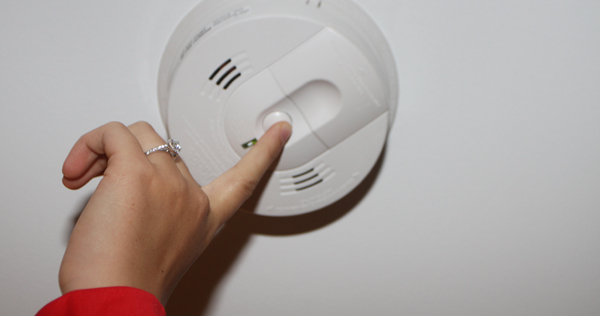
172, 147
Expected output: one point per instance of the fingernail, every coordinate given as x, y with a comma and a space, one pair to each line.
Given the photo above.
285, 132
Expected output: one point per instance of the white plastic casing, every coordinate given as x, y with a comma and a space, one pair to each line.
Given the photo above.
234, 68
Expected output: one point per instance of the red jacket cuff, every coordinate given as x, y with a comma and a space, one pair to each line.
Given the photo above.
114, 301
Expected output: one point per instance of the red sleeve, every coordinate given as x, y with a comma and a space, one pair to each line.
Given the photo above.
114, 301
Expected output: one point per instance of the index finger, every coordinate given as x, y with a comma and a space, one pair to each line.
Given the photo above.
229, 191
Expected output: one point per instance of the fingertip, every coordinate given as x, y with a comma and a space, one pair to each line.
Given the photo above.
69, 171
285, 131
271, 143
278, 134
78, 160
65, 168
73, 168
69, 184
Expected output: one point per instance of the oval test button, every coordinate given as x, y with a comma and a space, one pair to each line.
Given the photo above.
274, 118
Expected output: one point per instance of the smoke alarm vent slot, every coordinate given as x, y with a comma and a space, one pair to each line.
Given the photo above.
310, 186
232, 69
216, 72
304, 173
232, 80
227, 74
306, 180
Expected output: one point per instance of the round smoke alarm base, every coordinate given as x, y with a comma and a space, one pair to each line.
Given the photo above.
234, 68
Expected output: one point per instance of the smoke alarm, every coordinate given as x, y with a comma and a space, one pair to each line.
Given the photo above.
234, 68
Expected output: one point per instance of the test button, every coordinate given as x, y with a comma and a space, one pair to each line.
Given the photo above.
274, 118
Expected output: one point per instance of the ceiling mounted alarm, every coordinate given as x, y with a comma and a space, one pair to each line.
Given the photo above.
234, 68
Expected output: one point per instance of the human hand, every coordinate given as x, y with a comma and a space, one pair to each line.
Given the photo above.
148, 220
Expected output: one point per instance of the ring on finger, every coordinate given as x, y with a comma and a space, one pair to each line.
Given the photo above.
172, 147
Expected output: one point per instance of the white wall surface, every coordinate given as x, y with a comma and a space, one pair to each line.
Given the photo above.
485, 202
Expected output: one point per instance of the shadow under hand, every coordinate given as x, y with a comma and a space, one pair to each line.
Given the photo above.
193, 294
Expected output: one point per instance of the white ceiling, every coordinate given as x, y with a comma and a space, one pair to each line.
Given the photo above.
485, 202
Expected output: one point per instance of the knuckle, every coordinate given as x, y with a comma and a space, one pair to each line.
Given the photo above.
201, 196
115, 125
142, 126
203, 206
190, 200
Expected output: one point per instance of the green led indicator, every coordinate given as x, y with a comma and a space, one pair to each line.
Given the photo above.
249, 144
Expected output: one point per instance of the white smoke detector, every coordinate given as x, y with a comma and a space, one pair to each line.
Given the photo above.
234, 68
